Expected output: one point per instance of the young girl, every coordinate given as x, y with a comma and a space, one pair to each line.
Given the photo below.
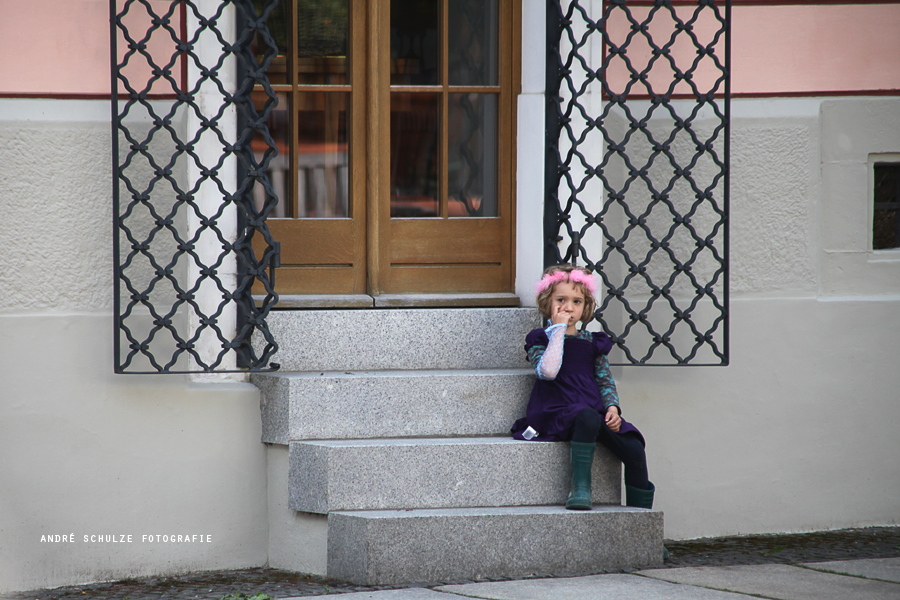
575, 397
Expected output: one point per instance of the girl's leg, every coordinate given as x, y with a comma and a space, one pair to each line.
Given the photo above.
590, 426
581, 449
629, 449
587, 424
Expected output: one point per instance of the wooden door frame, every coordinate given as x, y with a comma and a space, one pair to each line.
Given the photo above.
378, 143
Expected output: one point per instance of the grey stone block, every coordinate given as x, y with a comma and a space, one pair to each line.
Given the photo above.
356, 340
274, 407
393, 547
329, 405
332, 476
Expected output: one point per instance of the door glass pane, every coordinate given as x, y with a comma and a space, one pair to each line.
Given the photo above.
278, 23
278, 170
472, 155
472, 42
415, 139
323, 157
414, 42
323, 28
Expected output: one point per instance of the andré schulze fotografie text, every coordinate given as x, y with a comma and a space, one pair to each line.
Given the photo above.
127, 538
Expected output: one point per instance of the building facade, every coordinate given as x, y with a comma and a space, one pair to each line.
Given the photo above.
795, 434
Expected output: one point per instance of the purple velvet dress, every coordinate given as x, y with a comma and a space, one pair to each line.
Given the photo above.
554, 404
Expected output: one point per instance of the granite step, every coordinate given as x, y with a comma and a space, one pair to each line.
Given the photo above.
433, 545
411, 473
386, 404
393, 429
400, 339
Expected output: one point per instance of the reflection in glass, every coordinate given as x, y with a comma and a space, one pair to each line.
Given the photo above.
322, 35
414, 42
323, 161
472, 42
472, 155
415, 138
278, 170
278, 23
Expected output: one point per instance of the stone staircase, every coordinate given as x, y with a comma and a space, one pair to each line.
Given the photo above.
390, 461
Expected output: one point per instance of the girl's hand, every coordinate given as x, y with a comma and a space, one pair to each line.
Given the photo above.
560, 315
613, 420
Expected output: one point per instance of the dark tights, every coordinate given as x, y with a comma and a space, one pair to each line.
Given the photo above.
590, 427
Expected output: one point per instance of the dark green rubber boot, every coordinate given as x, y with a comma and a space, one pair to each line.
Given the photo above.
642, 499
582, 457
638, 497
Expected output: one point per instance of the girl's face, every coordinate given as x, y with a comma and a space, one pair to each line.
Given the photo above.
567, 299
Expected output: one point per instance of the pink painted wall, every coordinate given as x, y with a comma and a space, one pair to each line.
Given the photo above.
61, 48
811, 49
638, 52
803, 49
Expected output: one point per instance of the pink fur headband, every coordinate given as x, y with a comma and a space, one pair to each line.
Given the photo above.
577, 276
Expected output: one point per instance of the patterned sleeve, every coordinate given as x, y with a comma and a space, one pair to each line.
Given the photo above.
534, 354
605, 383
535, 344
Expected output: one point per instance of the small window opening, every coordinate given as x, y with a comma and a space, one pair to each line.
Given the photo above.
886, 222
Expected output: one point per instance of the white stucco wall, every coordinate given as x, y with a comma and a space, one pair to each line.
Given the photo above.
84, 451
799, 432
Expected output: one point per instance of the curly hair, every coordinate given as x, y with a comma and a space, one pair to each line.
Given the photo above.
543, 297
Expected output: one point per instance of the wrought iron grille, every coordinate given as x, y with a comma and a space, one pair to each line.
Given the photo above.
637, 159
189, 242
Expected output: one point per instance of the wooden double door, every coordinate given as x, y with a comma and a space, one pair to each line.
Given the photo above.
395, 127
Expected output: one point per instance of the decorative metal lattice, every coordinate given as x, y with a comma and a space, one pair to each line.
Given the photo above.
637, 170
189, 243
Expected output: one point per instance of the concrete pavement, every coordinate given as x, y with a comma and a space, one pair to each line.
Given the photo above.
862, 579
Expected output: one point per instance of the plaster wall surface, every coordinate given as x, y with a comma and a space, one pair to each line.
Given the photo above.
55, 189
797, 434
298, 541
84, 452
855, 135
774, 178
87, 452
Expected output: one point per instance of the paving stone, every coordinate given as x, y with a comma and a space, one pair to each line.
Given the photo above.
405, 594
782, 582
886, 569
597, 587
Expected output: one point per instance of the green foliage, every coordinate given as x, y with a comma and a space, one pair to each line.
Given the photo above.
242, 596
773, 551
